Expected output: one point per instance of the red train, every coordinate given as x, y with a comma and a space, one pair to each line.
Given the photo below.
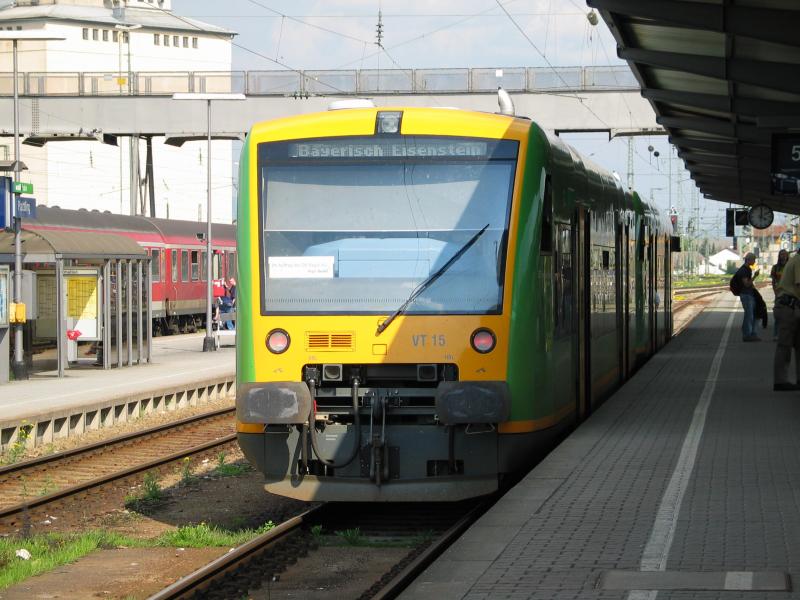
179, 263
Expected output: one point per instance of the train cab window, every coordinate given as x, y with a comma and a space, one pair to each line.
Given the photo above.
184, 265
174, 264
547, 218
155, 264
203, 266
195, 265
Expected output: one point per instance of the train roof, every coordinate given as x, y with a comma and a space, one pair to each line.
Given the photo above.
105, 221
361, 121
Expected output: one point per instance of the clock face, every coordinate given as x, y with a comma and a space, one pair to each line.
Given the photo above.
760, 216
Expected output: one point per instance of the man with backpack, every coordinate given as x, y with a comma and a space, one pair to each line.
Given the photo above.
787, 316
742, 285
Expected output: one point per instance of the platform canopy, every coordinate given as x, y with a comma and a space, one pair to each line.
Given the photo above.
723, 77
45, 246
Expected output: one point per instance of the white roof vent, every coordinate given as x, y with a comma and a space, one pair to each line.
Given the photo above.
351, 103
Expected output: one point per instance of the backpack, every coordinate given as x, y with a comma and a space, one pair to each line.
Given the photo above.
735, 285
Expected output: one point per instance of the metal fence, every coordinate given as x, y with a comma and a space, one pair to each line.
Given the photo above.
343, 82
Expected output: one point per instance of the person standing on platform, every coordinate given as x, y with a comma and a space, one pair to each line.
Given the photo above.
787, 316
743, 280
775, 277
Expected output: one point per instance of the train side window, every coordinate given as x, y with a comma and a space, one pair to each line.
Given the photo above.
184, 265
216, 264
563, 282
155, 264
174, 264
195, 265
232, 265
640, 243
547, 218
203, 266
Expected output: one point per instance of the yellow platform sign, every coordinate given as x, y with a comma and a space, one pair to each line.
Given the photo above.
82, 297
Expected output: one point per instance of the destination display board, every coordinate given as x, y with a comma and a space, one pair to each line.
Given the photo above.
786, 164
360, 149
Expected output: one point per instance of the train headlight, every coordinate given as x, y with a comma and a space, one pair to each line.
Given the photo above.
278, 341
388, 121
483, 340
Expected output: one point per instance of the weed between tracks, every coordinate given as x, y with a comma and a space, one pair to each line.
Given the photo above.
20, 445
354, 537
148, 497
52, 550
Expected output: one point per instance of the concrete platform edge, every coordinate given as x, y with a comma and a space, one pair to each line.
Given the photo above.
47, 426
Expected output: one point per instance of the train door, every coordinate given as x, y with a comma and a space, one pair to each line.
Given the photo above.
651, 282
581, 302
630, 300
668, 285
621, 300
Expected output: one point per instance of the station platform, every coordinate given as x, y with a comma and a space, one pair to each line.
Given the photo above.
50, 408
684, 484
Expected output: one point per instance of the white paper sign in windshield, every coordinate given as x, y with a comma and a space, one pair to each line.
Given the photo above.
301, 267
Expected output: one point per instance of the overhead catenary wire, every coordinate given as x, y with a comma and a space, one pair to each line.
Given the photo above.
549, 64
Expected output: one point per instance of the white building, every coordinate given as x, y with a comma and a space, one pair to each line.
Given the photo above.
718, 263
108, 39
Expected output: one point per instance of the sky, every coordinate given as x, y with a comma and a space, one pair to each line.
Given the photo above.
416, 34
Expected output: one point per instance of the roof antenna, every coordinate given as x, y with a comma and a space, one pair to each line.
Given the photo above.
505, 102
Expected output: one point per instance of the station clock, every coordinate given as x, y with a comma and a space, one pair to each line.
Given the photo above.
760, 216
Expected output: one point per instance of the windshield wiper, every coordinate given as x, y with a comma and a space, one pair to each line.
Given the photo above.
427, 283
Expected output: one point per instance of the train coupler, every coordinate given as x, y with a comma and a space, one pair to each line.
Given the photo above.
379, 462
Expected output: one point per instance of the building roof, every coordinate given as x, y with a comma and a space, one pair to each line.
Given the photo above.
146, 17
722, 79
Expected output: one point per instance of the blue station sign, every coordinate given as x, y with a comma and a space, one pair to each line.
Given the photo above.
26, 208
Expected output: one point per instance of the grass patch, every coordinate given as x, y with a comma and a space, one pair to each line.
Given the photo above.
701, 281
232, 470
52, 550
208, 536
48, 552
225, 470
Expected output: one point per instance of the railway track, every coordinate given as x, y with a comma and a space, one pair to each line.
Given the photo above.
260, 561
700, 289
33, 485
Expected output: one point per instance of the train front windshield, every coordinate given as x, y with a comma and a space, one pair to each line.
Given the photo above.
354, 225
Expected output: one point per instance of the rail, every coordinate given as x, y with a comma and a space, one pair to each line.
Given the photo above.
324, 82
100, 449
220, 568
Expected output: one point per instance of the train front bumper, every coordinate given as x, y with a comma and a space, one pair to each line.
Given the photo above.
456, 402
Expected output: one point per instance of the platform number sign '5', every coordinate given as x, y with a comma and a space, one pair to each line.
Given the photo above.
786, 155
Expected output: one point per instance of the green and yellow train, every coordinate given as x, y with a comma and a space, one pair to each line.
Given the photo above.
428, 297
